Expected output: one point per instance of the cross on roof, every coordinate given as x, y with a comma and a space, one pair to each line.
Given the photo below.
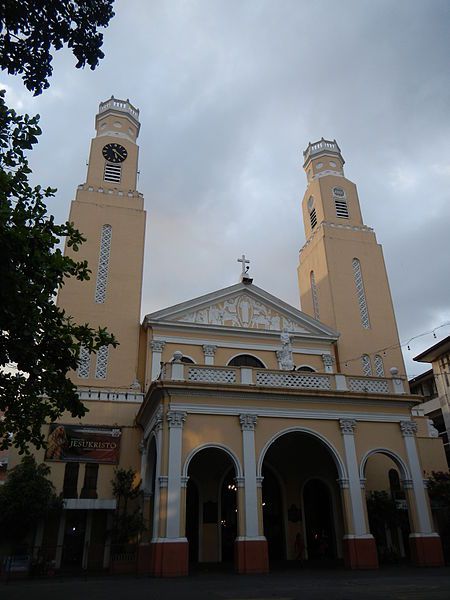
244, 261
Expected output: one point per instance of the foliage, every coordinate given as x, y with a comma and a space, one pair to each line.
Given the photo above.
439, 489
128, 519
36, 336
382, 511
33, 29
26, 497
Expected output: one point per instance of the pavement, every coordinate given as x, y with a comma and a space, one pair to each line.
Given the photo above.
396, 583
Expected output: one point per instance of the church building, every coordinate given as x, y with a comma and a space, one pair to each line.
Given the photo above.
257, 430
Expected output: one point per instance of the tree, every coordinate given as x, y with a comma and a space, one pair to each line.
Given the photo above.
128, 519
37, 339
32, 29
26, 497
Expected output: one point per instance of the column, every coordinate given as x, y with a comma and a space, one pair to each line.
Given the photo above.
251, 549
170, 552
426, 547
209, 351
359, 545
157, 349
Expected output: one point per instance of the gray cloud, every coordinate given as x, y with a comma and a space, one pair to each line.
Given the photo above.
230, 93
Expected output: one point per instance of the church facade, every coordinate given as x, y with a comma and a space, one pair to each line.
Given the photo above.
257, 430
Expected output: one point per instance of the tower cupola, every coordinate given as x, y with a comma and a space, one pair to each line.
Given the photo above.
323, 158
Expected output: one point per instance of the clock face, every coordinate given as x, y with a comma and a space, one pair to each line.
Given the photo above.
114, 153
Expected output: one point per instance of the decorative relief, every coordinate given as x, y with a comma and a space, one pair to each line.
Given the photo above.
248, 422
347, 426
176, 418
408, 428
209, 350
242, 311
285, 362
157, 346
432, 431
158, 420
327, 362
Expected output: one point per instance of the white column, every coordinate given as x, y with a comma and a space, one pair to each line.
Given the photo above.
156, 491
209, 352
248, 423
176, 421
409, 429
327, 363
354, 483
157, 349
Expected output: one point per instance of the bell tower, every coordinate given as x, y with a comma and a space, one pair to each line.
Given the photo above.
342, 275
109, 212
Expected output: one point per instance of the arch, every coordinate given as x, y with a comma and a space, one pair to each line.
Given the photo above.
231, 454
404, 471
306, 369
256, 358
340, 466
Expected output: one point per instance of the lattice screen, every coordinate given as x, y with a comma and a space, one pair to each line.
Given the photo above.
103, 264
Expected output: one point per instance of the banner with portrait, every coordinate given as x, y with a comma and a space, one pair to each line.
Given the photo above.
83, 443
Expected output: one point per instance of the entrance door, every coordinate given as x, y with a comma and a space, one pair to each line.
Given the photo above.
75, 530
319, 524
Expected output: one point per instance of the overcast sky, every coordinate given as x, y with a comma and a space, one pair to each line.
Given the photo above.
230, 93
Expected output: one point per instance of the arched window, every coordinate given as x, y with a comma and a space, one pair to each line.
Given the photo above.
186, 360
315, 296
379, 366
366, 365
305, 368
246, 360
361, 294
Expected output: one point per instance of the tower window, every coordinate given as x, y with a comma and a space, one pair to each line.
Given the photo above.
103, 264
246, 360
84, 363
340, 202
379, 366
313, 218
366, 365
112, 173
361, 295
315, 296
102, 363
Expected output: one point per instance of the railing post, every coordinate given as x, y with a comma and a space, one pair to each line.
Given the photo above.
246, 376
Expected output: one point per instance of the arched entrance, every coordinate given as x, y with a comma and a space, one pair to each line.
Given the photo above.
211, 507
300, 480
387, 505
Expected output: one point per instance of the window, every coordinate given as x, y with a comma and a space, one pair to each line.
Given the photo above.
379, 366
246, 360
315, 296
112, 173
313, 218
90, 481
70, 485
366, 365
84, 363
361, 295
103, 264
305, 369
340, 202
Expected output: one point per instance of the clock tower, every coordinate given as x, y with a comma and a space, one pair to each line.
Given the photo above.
342, 275
109, 212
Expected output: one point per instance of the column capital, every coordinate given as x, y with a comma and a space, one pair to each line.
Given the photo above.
248, 422
176, 418
327, 362
347, 426
209, 349
408, 428
157, 345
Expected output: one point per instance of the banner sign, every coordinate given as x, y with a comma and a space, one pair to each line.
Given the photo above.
81, 443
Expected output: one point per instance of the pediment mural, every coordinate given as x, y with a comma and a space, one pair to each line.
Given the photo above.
242, 310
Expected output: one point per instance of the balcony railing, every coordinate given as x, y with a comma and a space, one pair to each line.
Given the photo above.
178, 371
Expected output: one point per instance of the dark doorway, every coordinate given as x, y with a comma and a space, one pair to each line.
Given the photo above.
273, 516
75, 530
228, 517
320, 536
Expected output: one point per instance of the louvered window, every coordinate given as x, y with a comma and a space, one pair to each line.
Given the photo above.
361, 295
366, 365
315, 296
103, 264
313, 218
112, 173
340, 202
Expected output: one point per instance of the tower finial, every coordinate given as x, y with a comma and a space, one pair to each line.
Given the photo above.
245, 278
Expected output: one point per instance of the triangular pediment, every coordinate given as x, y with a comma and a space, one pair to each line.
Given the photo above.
245, 307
